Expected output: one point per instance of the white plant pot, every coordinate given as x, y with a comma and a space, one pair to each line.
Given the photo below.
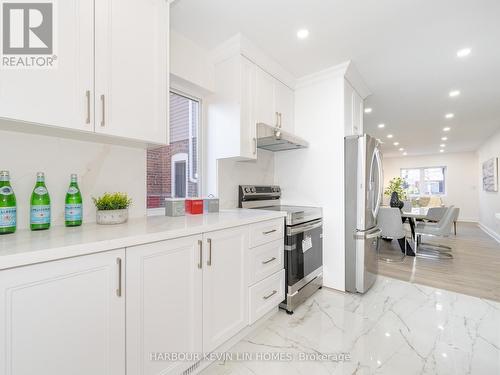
107, 217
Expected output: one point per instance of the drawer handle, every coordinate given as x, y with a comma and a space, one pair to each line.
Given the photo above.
209, 260
270, 295
119, 288
200, 247
269, 231
269, 261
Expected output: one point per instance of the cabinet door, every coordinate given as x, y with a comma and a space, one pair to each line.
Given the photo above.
62, 95
164, 304
264, 98
284, 97
353, 111
248, 133
225, 288
64, 317
131, 69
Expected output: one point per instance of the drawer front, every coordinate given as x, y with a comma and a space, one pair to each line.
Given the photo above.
266, 231
265, 260
266, 295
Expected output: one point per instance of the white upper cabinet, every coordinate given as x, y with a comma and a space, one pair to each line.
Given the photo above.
246, 95
120, 91
131, 69
60, 96
353, 111
265, 98
164, 304
225, 285
285, 106
64, 317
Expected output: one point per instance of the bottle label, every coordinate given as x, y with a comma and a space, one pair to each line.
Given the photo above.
8, 217
73, 212
6, 190
40, 190
40, 214
72, 190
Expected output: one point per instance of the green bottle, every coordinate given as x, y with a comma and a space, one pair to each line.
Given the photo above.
8, 208
73, 207
40, 205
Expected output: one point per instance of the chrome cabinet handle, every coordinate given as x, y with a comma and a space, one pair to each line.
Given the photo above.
270, 295
103, 119
87, 95
269, 260
281, 121
119, 288
209, 260
200, 247
254, 146
269, 232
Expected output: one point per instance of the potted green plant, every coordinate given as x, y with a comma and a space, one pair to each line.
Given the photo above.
112, 208
397, 185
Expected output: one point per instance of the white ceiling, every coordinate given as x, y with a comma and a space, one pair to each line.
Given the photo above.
404, 49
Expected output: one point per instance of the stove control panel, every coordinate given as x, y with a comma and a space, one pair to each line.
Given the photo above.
248, 193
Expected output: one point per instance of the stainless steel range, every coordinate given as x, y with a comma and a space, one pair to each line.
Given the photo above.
303, 241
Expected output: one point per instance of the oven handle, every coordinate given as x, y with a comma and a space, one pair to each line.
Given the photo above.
292, 231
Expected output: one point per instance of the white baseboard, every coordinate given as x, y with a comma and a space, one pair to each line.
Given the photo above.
468, 220
490, 232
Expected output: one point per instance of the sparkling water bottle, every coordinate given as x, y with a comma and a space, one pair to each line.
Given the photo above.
8, 208
40, 205
73, 208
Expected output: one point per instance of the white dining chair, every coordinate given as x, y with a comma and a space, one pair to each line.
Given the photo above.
440, 229
391, 225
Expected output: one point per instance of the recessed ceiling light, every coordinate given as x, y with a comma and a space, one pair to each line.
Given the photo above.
381, 126
447, 129
396, 143
444, 138
368, 110
389, 136
302, 33
464, 52
401, 149
454, 93
441, 150
442, 145
449, 115
405, 153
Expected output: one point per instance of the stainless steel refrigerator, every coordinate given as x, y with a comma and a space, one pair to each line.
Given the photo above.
363, 197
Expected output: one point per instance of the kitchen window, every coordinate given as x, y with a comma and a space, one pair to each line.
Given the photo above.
173, 170
424, 181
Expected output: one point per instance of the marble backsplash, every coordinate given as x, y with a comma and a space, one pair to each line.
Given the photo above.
100, 168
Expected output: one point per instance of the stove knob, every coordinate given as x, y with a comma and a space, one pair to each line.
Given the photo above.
254, 190
247, 190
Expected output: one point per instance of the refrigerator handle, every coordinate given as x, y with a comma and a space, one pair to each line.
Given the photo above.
380, 183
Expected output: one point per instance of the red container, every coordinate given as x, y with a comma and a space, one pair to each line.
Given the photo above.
194, 206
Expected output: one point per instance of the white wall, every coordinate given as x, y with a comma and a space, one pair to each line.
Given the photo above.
315, 176
489, 203
190, 62
461, 178
100, 168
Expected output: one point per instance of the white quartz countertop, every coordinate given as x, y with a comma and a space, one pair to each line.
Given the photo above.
26, 247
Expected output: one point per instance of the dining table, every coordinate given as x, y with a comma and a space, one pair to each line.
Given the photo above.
416, 214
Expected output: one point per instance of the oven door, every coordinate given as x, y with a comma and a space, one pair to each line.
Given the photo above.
303, 253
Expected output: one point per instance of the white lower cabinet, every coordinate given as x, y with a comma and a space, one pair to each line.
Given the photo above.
64, 317
225, 287
164, 305
266, 295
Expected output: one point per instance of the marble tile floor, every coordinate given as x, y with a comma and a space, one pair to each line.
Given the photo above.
398, 328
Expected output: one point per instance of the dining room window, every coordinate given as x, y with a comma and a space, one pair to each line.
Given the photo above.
425, 181
173, 170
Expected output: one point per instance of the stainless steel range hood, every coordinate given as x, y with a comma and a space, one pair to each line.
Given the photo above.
274, 139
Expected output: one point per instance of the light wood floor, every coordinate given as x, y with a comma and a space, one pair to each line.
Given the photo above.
474, 269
